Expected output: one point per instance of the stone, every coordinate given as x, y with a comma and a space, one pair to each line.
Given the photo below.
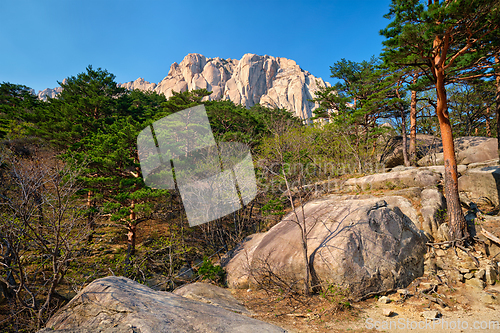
488, 298
490, 275
186, 272
403, 292
443, 233
412, 193
392, 155
384, 300
391, 180
387, 312
468, 276
468, 150
493, 162
358, 243
479, 274
473, 149
433, 210
431, 314
455, 276
440, 253
467, 263
117, 304
464, 270
440, 169
211, 294
481, 183
475, 282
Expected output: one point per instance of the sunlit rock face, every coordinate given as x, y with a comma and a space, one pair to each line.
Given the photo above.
269, 81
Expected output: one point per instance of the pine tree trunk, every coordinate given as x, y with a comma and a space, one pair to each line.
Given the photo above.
403, 132
497, 99
488, 124
457, 224
413, 125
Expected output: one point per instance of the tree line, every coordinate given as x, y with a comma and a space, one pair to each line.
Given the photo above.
71, 162
438, 56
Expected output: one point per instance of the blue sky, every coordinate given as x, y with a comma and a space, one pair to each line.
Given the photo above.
44, 41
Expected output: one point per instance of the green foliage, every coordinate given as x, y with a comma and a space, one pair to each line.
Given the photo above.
471, 105
366, 91
214, 273
273, 207
16, 101
336, 295
415, 37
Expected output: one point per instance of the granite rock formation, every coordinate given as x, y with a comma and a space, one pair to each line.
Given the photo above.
269, 81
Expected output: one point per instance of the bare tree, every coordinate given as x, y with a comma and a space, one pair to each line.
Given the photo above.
42, 224
284, 151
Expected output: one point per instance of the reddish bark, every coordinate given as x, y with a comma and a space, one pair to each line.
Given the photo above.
497, 99
413, 125
488, 123
457, 224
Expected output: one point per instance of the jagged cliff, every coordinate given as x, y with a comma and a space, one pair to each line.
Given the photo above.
49, 92
270, 81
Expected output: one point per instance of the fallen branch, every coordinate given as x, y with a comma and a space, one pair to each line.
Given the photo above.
375, 293
432, 288
470, 255
452, 242
434, 299
490, 236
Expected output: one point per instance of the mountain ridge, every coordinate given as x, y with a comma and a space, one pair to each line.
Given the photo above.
274, 82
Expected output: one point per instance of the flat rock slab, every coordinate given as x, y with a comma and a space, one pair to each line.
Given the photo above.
468, 150
117, 304
211, 294
416, 177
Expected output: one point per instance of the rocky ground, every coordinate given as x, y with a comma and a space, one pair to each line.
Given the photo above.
435, 302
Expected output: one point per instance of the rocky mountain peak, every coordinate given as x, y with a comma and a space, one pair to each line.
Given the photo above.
270, 81
266, 80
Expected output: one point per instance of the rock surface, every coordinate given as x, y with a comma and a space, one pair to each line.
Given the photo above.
43, 94
415, 177
433, 210
393, 151
274, 82
140, 84
269, 81
117, 304
481, 183
468, 150
211, 294
362, 244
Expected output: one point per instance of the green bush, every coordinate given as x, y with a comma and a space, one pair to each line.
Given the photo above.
211, 272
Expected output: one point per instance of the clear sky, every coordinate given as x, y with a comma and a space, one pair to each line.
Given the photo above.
44, 41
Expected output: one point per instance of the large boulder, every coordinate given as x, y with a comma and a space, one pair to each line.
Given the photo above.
413, 177
468, 149
481, 184
433, 210
363, 244
392, 154
117, 304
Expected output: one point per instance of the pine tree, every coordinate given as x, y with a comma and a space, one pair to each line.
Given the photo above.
448, 41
